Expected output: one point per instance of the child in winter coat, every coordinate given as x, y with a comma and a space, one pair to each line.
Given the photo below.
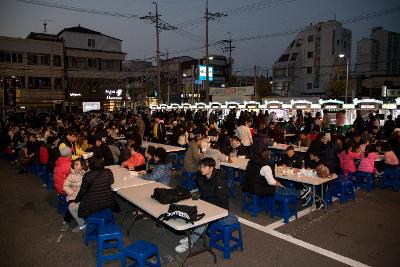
71, 187
62, 168
367, 162
347, 157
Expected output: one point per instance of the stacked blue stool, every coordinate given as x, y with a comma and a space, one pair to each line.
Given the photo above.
188, 180
284, 206
219, 232
365, 180
254, 203
96, 221
107, 235
391, 177
141, 251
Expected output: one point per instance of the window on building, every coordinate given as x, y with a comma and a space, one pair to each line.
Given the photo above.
58, 83
309, 85
92, 63
294, 56
57, 60
299, 42
32, 59
310, 54
39, 83
310, 38
10, 57
91, 43
309, 70
44, 59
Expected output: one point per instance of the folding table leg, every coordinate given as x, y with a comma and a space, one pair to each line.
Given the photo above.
205, 247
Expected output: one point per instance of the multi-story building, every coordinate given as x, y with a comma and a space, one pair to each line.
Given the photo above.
379, 54
140, 77
93, 69
34, 67
310, 63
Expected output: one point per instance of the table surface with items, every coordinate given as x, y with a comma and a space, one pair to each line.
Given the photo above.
124, 178
141, 197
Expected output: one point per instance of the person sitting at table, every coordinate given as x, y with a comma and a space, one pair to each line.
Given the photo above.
71, 188
224, 142
259, 178
136, 160
347, 157
390, 158
193, 155
162, 171
98, 147
305, 139
214, 153
213, 129
367, 162
214, 189
149, 156
291, 159
238, 148
114, 149
126, 151
95, 193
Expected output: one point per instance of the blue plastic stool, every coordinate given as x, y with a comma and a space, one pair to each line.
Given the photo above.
95, 221
187, 180
141, 251
108, 234
365, 180
253, 203
284, 206
62, 204
224, 232
391, 177
343, 189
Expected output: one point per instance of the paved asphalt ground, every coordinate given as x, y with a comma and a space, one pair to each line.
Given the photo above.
367, 231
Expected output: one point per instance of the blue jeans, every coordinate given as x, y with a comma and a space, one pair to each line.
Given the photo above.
287, 191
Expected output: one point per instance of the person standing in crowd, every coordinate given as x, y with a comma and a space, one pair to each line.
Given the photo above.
71, 188
389, 126
159, 131
193, 155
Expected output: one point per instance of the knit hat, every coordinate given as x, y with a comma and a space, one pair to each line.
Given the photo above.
65, 151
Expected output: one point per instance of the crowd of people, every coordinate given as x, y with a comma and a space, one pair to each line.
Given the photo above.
76, 148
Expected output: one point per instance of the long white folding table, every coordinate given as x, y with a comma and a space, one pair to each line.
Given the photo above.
123, 178
168, 148
307, 179
140, 196
301, 149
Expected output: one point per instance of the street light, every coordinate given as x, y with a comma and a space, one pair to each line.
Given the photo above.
211, 58
347, 73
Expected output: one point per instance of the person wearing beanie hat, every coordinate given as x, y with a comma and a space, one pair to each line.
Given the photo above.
65, 151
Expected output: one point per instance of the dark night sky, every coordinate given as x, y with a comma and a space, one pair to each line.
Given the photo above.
17, 19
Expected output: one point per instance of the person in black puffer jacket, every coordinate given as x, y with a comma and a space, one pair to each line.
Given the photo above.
254, 182
96, 193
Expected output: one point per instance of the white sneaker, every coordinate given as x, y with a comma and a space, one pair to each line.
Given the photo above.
182, 248
78, 228
184, 240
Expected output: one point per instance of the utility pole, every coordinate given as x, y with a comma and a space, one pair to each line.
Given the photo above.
155, 19
168, 100
226, 46
206, 84
193, 74
158, 54
209, 16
